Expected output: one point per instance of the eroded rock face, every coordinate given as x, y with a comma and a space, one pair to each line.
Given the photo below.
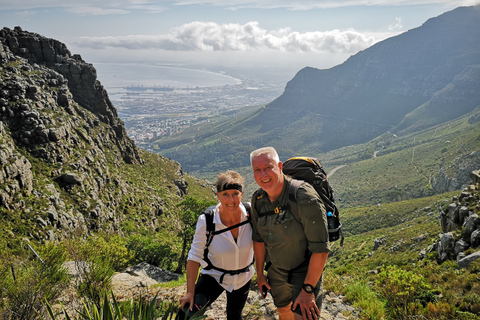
462, 168
67, 70
460, 214
61, 144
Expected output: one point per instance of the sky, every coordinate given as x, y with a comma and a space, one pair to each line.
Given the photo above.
253, 33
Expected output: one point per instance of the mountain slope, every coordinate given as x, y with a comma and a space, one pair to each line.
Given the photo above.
435, 63
421, 78
66, 163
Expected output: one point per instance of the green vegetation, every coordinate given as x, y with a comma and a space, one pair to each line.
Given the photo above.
389, 168
26, 284
391, 281
123, 213
113, 310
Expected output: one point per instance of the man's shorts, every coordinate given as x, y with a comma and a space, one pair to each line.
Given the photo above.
286, 286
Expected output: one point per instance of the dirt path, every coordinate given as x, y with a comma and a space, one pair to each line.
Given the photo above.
335, 170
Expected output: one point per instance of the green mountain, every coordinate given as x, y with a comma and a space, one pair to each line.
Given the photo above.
409, 96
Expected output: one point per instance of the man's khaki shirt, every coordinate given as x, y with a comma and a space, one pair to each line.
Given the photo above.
289, 238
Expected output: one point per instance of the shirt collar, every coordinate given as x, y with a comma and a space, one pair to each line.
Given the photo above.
216, 214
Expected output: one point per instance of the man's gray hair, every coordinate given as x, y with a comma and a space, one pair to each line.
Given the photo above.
266, 150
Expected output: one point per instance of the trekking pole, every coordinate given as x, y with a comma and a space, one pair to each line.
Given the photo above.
30, 247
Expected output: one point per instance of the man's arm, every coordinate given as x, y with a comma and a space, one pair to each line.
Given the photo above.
315, 270
315, 267
259, 253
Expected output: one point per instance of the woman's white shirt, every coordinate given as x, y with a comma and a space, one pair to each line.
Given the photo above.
224, 252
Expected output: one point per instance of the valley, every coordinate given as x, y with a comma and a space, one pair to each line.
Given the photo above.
151, 109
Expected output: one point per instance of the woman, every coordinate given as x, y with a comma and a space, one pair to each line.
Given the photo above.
228, 263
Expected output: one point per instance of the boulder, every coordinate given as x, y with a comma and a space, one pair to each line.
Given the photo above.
465, 262
446, 246
153, 272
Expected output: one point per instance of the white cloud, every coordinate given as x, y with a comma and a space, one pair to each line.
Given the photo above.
26, 14
95, 11
397, 25
210, 36
149, 5
321, 4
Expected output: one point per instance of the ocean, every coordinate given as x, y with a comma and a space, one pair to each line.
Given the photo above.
116, 75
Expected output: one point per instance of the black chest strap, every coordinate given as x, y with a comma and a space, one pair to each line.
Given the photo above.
211, 233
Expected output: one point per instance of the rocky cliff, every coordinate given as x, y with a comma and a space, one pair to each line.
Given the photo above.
64, 151
460, 222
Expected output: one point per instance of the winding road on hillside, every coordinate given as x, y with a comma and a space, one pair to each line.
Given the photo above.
335, 170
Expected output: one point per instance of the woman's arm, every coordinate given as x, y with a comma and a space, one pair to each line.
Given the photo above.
192, 274
259, 253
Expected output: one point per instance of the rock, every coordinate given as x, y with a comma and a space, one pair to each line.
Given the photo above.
475, 238
123, 283
465, 262
472, 223
72, 178
475, 176
158, 274
460, 246
446, 246
378, 242
448, 218
182, 186
463, 213
76, 268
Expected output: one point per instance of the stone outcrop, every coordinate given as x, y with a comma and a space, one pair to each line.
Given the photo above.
459, 173
62, 144
461, 226
69, 70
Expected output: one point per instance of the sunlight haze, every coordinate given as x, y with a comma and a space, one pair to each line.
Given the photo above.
277, 34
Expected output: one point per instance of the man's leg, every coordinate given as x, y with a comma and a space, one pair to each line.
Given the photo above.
286, 313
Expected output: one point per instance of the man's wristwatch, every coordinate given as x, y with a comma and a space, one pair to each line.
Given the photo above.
308, 288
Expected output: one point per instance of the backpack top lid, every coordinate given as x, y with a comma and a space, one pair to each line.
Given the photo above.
304, 168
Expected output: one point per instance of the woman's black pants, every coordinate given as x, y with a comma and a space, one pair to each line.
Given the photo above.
211, 290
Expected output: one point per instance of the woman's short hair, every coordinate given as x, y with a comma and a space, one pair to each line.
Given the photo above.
229, 180
266, 150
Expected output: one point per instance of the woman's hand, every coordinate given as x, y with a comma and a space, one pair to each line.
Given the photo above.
188, 298
262, 284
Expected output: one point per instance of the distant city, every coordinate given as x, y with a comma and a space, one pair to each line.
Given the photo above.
153, 111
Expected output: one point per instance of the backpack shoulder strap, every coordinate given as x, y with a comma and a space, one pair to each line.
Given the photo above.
292, 191
292, 196
292, 203
248, 207
210, 225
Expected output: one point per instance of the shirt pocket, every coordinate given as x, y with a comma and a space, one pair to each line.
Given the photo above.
283, 225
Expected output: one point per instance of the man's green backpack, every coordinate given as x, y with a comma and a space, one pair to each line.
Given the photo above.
311, 170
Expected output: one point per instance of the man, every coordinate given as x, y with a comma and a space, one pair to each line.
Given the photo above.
293, 242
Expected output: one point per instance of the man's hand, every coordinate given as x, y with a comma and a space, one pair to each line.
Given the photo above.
307, 304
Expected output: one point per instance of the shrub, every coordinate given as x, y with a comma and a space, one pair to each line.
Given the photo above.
160, 253
27, 284
141, 309
95, 270
402, 291
114, 247
365, 299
